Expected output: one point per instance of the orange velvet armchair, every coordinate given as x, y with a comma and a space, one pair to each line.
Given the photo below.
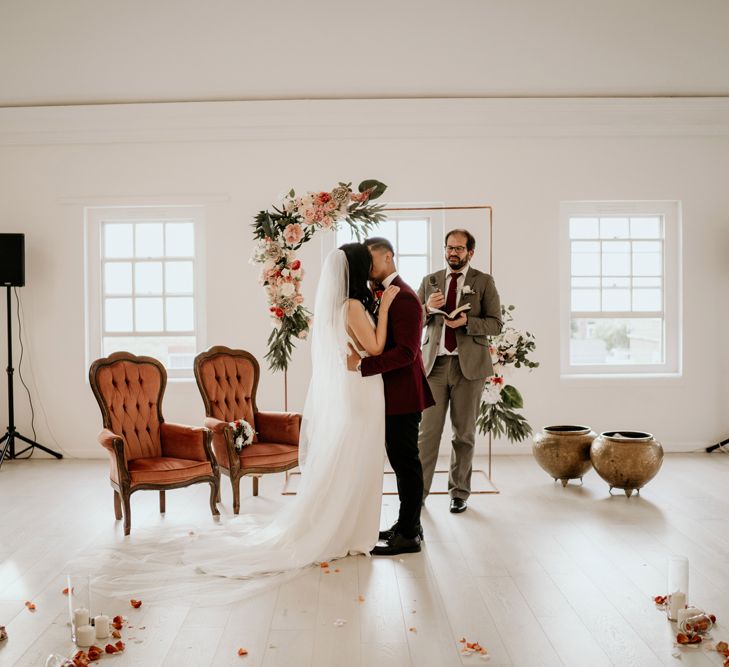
145, 451
228, 380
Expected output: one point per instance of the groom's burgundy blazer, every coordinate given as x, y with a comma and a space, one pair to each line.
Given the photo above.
401, 362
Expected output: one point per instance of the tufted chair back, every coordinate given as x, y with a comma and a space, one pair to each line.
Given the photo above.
228, 380
129, 391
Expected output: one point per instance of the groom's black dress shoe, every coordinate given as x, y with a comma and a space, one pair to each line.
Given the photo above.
387, 534
458, 505
397, 544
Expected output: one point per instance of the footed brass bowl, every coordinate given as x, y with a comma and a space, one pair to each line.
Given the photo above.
626, 460
564, 451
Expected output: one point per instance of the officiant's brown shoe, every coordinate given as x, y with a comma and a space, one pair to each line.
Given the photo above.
458, 505
397, 544
387, 534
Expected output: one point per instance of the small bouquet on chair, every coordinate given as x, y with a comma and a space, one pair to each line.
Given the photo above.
242, 433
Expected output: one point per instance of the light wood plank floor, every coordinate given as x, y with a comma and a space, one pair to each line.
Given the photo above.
539, 575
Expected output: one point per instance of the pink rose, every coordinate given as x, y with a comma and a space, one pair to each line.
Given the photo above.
293, 233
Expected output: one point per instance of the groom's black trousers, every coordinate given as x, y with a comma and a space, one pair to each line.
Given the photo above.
401, 440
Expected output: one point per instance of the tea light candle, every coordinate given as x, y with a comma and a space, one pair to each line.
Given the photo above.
684, 614
676, 601
85, 636
80, 617
101, 623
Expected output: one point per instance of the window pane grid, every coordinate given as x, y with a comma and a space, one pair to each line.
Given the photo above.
617, 290
410, 239
612, 281
157, 300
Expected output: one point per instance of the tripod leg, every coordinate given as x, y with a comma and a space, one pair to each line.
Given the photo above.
7, 450
33, 443
718, 445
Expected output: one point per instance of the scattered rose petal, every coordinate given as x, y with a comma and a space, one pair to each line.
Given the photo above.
361, 598
120, 646
95, 653
30, 605
413, 629
111, 649
116, 634
80, 659
135, 603
3, 633
323, 565
326, 571
242, 651
337, 570
684, 639
722, 646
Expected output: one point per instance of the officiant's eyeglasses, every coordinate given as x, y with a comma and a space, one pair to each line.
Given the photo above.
455, 248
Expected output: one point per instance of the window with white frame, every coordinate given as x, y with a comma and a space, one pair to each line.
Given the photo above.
144, 283
410, 235
621, 288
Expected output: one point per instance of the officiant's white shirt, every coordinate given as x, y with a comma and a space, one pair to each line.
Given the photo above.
461, 282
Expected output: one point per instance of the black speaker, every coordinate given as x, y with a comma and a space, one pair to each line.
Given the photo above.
12, 259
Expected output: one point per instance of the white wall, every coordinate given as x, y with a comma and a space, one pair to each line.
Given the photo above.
523, 158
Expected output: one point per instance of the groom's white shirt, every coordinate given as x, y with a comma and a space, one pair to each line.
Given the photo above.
388, 281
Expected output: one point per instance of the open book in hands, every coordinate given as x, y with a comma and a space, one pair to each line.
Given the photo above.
453, 314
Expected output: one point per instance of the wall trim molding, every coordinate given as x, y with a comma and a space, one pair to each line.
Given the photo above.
363, 119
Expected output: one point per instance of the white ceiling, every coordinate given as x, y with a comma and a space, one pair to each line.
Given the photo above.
99, 51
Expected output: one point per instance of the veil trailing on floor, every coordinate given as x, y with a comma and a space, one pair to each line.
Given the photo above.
242, 555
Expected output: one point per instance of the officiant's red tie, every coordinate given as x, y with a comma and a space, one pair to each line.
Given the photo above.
450, 334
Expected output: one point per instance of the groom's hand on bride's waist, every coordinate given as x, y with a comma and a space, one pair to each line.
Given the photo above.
353, 359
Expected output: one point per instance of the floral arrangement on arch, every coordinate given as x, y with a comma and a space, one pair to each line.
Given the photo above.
500, 401
280, 233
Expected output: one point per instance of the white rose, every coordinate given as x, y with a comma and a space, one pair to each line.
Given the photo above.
287, 289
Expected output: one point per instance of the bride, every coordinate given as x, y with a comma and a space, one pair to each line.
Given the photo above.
336, 511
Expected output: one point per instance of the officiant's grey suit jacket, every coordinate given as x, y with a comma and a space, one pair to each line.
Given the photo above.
484, 320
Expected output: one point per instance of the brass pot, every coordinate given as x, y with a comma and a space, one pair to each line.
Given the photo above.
564, 451
626, 460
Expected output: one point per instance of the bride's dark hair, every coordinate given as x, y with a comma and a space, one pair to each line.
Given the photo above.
360, 263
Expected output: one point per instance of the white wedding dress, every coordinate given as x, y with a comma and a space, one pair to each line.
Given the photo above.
336, 511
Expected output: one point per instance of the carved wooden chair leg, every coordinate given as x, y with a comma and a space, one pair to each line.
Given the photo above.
214, 493
219, 499
162, 502
117, 506
126, 500
255, 485
236, 494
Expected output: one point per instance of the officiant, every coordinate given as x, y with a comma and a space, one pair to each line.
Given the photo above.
457, 359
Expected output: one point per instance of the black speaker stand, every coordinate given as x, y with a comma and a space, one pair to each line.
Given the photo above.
11, 435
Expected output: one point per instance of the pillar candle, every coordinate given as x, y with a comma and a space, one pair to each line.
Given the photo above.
80, 617
676, 601
101, 623
85, 636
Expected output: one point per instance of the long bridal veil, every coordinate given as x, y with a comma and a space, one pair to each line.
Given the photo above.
243, 554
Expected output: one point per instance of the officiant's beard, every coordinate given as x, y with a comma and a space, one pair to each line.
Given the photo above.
457, 263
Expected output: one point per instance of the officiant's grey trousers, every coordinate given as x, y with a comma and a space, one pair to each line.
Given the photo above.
450, 389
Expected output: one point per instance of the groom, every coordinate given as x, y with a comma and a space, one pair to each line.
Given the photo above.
407, 394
